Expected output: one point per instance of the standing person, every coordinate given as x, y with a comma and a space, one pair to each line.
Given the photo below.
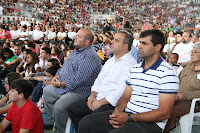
24, 114
73, 81
189, 27
188, 89
110, 83
148, 97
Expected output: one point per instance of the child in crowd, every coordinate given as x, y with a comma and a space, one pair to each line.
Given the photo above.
23, 114
50, 73
173, 59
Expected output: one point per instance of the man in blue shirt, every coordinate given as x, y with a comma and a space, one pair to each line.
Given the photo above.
73, 81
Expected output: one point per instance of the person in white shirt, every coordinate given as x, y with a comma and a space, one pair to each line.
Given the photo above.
183, 49
51, 35
136, 41
14, 32
110, 83
61, 35
23, 34
24, 22
38, 35
71, 34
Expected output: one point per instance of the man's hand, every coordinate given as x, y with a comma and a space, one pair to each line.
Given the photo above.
118, 119
96, 104
90, 101
56, 83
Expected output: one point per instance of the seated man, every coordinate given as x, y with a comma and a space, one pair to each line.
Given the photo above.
148, 97
24, 114
110, 83
72, 81
189, 88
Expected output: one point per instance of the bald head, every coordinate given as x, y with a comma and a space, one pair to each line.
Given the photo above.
88, 35
83, 38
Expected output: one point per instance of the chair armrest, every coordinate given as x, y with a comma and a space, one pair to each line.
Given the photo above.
193, 104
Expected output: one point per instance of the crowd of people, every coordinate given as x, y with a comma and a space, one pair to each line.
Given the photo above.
131, 73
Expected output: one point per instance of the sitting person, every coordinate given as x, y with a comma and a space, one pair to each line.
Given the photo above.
173, 60
110, 83
24, 114
4, 101
189, 88
32, 65
50, 73
7, 56
148, 98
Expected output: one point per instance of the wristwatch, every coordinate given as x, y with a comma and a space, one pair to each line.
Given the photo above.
129, 117
31, 78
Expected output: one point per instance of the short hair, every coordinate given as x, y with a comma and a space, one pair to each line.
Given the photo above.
128, 39
54, 43
47, 50
13, 76
23, 86
52, 70
54, 61
177, 56
18, 45
89, 36
158, 37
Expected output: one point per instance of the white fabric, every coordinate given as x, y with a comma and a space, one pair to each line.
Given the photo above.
14, 34
136, 43
167, 48
72, 35
24, 23
1, 10
61, 35
37, 35
24, 33
110, 83
183, 50
35, 66
51, 35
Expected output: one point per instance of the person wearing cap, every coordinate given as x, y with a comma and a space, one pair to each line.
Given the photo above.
189, 88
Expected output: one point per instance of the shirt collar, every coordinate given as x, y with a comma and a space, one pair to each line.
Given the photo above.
82, 49
154, 66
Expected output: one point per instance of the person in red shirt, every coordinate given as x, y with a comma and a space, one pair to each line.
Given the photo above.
4, 34
24, 114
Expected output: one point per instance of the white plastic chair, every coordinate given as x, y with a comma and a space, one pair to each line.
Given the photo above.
68, 125
185, 123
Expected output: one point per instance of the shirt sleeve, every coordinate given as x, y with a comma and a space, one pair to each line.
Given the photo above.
169, 83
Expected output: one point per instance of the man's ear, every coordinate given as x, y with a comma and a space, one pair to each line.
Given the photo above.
87, 42
21, 95
158, 47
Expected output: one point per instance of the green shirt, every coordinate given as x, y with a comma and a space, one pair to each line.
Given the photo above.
8, 60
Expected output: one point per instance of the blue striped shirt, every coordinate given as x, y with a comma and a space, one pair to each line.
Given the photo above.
147, 84
79, 71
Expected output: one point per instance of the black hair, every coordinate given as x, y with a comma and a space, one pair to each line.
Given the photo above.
18, 45
23, 86
57, 50
7, 50
47, 50
158, 37
177, 56
52, 70
35, 59
54, 61
13, 76
31, 44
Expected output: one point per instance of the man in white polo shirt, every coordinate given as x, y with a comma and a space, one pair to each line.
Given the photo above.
149, 96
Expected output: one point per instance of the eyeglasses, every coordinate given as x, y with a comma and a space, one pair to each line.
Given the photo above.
194, 52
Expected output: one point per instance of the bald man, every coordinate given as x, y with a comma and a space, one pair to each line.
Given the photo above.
72, 82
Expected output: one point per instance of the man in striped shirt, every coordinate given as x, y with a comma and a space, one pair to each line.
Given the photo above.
149, 96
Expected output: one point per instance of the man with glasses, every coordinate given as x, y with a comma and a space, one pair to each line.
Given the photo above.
189, 88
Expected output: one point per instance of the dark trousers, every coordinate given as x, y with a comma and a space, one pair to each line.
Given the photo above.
181, 108
99, 123
80, 109
37, 92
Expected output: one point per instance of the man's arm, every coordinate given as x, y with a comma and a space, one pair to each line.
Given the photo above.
123, 101
24, 130
15, 61
4, 124
166, 103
